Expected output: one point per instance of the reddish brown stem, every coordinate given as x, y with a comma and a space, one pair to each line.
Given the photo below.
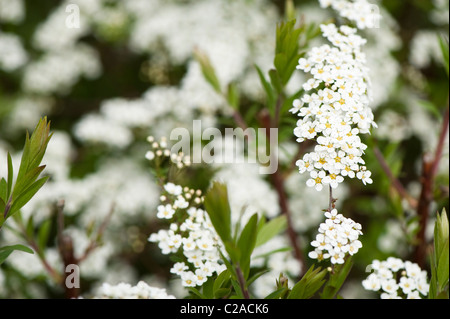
394, 181
278, 183
429, 170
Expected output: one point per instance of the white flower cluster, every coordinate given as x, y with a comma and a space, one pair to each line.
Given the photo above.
190, 232
161, 151
396, 279
361, 12
12, 53
126, 291
12, 11
338, 236
337, 111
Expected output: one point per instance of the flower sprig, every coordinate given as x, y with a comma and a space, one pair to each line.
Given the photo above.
335, 110
337, 238
190, 233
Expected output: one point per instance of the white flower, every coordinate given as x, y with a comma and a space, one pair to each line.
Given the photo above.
407, 284
179, 268
316, 180
189, 279
173, 189
372, 283
395, 264
181, 202
364, 176
390, 286
165, 211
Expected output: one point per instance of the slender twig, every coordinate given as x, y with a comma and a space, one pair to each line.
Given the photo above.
242, 284
66, 251
331, 204
429, 170
32, 242
278, 183
441, 142
394, 181
95, 241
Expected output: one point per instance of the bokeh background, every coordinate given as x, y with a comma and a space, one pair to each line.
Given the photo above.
129, 72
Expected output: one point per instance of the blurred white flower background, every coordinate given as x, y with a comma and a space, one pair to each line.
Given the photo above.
129, 71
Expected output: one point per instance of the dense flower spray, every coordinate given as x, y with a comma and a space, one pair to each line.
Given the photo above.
335, 110
337, 238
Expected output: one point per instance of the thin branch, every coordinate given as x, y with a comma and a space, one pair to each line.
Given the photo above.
278, 183
441, 142
242, 283
429, 170
32, 242
332, 201
394, 181
95, 241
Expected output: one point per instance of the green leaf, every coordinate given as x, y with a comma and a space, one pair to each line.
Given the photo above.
275, 81
223, 277
196, 292
310, 283
43, 234
7, 250
277, 293
233, 96
246, 243
208, 290
267, 88
219, 211
445, 54
3, 190
256, 276
443, 267
440, 258
29, 178
336, 279
271, 229
10, 176
208, 70
35, 147
221, 293
27, 195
